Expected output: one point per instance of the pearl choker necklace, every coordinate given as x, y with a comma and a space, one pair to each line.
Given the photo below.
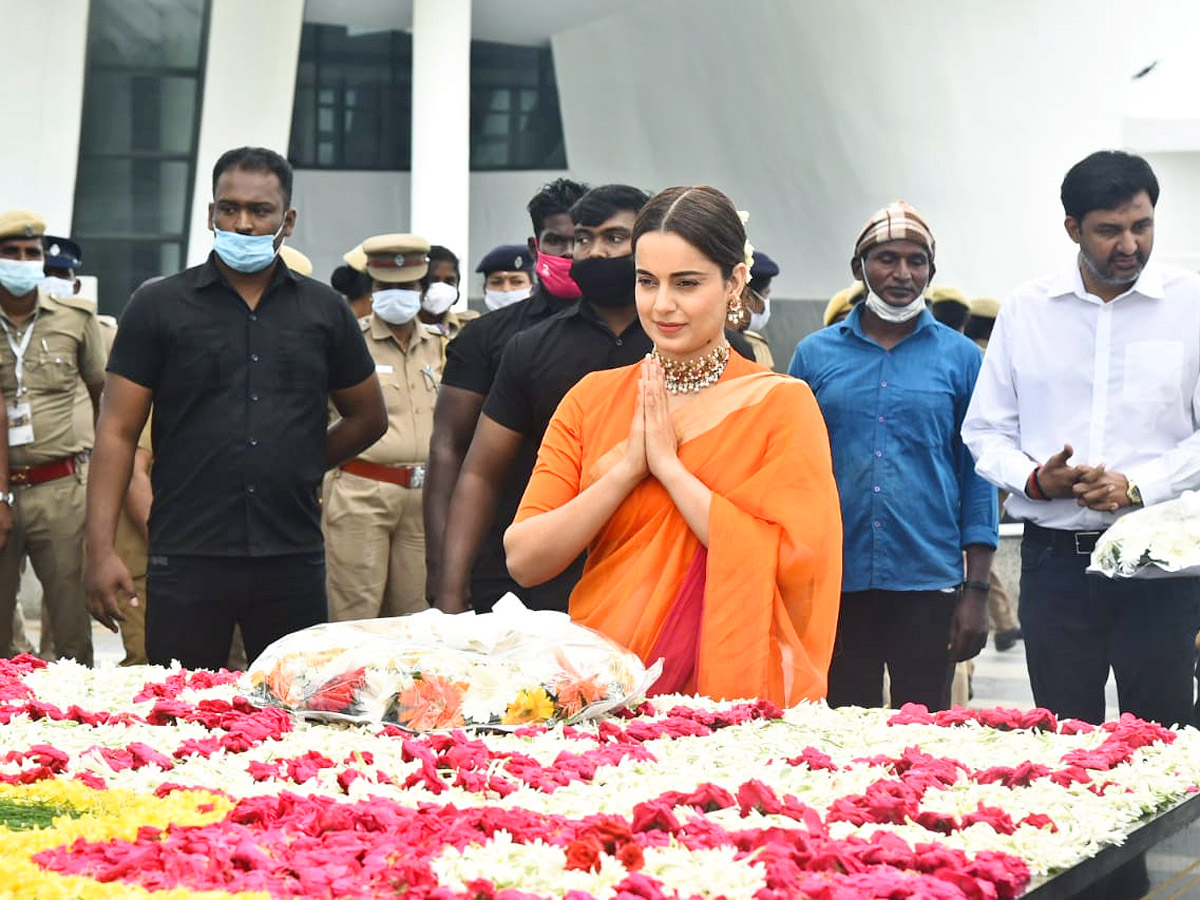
684, 376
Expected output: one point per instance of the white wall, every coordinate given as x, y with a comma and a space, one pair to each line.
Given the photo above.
249, 86
812, 114
42, 51
337, 210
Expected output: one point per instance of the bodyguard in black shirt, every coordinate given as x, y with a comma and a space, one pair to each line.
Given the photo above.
238, 356
473, 358
539, 366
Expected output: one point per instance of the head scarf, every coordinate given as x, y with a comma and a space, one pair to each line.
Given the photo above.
895, 222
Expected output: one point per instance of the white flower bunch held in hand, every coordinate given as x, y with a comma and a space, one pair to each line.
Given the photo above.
1160, 541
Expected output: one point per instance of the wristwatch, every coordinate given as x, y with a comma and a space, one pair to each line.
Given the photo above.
8, 498
1133, 494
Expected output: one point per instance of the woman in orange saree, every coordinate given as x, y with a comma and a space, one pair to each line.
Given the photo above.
699, 482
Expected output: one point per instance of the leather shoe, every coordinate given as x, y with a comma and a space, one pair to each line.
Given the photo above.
1006, 639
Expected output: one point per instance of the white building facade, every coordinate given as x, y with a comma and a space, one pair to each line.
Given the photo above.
445, 116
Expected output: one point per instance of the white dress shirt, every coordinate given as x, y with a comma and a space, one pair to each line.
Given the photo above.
1118, 381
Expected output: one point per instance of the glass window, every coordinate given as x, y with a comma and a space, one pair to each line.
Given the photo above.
353, 106
137, 148
353, 103
129, 262
145, 33
128, 111
515, 119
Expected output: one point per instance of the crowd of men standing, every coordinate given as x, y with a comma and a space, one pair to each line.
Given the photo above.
274, 451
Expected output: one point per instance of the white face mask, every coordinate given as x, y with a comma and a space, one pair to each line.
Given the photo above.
499, 299
887, 312
439, 297
58, 287
758, 321
396, 306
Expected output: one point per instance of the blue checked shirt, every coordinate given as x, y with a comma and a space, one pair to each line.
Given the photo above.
911, 501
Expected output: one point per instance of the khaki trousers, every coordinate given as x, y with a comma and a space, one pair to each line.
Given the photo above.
20, 640
133, 625
48, 525
1001, 616
374, 548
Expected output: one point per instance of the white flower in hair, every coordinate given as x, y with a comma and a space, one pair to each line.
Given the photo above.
747, 248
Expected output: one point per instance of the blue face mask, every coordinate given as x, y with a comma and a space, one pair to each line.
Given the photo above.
20, 276
245, 253
396, 306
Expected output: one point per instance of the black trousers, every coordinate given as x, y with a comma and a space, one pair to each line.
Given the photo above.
193, 603
908, 631
1077, 626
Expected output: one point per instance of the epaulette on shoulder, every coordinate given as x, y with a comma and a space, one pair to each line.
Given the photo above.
82, 304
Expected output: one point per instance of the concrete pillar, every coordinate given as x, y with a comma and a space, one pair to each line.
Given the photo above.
42, 50
441, 129
249, 88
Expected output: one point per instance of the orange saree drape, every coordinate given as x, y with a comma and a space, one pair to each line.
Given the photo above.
754, 614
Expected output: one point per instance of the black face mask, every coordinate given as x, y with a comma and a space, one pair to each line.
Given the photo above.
605, 281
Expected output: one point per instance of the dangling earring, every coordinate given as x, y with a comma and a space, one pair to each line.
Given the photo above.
735, 310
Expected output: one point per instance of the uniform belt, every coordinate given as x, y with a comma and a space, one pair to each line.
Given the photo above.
1080, 542
26, 475
405, 476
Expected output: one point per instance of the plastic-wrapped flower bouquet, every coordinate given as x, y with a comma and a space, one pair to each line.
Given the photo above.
431, 671
1160, 541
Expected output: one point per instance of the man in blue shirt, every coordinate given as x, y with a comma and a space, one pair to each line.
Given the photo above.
893, 385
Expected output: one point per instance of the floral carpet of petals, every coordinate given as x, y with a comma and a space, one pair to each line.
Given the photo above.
167, 783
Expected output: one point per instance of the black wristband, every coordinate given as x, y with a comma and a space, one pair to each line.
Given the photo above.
972, 585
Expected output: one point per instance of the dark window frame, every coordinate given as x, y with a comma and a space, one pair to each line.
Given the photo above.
97, 238
531, 139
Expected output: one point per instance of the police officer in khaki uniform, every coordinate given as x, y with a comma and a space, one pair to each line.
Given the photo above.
49, 345
130, 542
374, 532
63, 259
756, 308
352, 281
440, 285
295, 260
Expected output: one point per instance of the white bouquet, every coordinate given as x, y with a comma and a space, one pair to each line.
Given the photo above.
1160, 541
432, 671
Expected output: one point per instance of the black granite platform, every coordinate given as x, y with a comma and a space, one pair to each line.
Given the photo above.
1160, 860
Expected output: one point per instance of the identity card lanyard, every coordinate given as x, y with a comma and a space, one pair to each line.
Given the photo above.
20, 416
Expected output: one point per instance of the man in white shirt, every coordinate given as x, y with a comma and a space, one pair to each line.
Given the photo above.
1088, 405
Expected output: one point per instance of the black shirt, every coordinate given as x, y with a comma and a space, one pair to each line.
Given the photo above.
539, 366
473, 357
240, 407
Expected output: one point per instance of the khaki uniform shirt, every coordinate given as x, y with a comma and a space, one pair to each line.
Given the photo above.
128, 542
410, 381
452, 323
66, 347
84, 424
762, 350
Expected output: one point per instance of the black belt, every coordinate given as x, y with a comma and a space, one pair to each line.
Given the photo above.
1079, 542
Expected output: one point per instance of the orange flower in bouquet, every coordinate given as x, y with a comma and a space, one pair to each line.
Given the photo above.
575, 692
432, 702
279, 682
